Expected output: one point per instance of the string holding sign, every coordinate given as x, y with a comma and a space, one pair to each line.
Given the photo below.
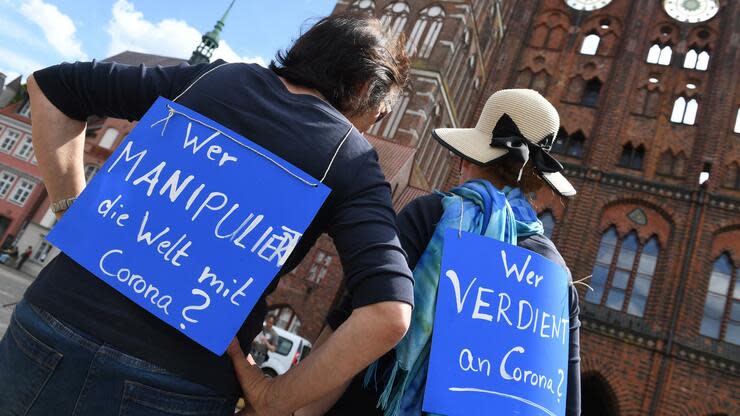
171, 112
182, 240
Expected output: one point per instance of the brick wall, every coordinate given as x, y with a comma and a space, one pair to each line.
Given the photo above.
627, 359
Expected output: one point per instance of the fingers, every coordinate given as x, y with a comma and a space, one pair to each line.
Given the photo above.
235, 350
247, 411
247, 372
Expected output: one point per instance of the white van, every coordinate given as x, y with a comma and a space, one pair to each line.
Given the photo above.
291, 349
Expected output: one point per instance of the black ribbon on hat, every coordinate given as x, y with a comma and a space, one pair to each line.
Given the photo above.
506, 135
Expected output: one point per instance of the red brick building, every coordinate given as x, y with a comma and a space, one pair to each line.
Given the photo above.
649, 97
34, 219
21, 187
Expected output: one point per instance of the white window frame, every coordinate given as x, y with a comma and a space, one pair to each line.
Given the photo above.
737, 121
395, 17
394, 120
90, 170
43, 249
427, 25
22, 183
4, 190
109, 138
49, 219
590, 44
684, 111
660, 55
24, 150
696, 60
13, 140
25, 110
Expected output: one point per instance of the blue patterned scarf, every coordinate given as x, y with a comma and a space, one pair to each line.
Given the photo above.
477, 207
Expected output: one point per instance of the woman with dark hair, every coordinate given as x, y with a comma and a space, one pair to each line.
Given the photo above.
505, 157
77, 346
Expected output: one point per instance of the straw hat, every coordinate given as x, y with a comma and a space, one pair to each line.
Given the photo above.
518, 121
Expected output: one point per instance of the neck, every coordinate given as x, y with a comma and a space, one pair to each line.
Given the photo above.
297, 89
482, 174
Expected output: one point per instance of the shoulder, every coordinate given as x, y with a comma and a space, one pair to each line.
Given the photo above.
354, 162
543, 246
430, 204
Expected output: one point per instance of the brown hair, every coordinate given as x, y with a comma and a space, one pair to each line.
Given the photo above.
506, 170
341, 54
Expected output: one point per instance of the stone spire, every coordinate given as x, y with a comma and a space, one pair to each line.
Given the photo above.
209, 41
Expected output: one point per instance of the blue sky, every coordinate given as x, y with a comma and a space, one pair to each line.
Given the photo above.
38, 33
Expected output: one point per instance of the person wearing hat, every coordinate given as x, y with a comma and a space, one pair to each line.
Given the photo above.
505, 157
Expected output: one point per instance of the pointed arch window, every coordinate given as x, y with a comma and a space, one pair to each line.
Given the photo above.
659, 54
539, 83
696, 59
548, 222
684, 111
632, 157
647, 99
598, 397
575, 89
364, 5
536, 81
395, 16
320, 267
591, 92
623, 271
732, 177
721, 319
389, 125
643, 278
426, 31
590, 44
570, 145
287, 319
671, 165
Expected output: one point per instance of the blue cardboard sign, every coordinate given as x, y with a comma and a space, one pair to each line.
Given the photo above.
501, 331
191, 221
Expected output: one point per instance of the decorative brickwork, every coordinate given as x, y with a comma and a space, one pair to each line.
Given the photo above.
613, 96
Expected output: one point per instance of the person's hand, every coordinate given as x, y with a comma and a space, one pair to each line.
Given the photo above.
258, 389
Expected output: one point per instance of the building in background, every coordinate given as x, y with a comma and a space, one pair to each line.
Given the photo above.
209, 42
649, 98
21, 187
101, 138
28, 222
450, 43
9, 92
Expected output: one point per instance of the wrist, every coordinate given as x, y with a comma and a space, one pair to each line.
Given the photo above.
62, 205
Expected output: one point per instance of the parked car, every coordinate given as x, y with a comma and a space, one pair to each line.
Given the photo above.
291, 349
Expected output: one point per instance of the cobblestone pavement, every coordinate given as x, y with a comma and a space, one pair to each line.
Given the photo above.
12, 286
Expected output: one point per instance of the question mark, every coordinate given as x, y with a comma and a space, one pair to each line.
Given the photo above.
562, 377
207, 301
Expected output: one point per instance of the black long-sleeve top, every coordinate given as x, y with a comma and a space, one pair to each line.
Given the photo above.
416, 224
252, 101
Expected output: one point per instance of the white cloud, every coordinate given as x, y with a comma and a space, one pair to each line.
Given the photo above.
58, 28
130, 30
15, 64
225, 52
